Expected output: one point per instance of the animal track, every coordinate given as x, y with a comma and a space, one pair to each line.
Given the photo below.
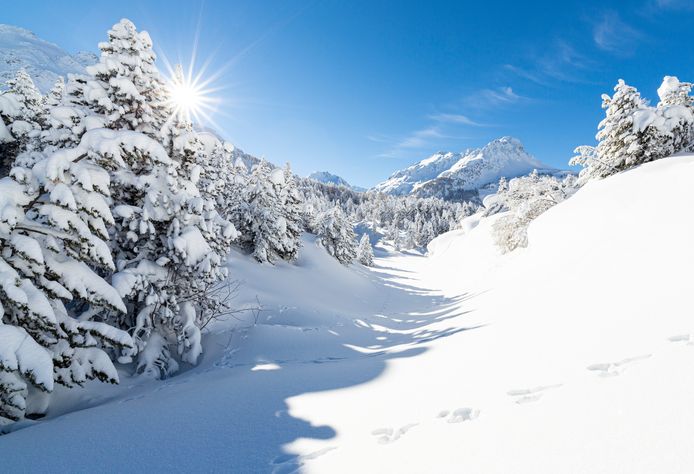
687, 339
612, 369
389, 435
460, 415
288, 463
529, 395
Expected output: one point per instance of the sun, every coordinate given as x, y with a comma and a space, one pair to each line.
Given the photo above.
188, 98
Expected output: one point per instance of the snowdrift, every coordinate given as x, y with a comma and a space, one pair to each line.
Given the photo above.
573, 355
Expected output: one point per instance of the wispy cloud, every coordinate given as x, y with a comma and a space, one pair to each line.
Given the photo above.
455, 119
494, 98
420, 138
674, 4
612, 34
558, 61
418, 141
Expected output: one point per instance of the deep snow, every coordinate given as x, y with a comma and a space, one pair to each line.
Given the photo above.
572, 355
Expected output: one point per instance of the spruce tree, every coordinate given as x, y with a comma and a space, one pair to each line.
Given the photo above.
335, 234
365, 253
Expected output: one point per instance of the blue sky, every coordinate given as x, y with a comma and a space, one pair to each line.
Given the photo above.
362, 88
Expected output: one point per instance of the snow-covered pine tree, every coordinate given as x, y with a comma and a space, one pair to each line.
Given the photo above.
674, 92
52, 233
168, 240
292, 207
269, 215
677, 109
21, 115
56, 94
633, 133
336, 235
365, 253
124, 88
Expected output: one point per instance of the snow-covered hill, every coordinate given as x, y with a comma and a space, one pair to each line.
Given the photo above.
458, 176
44, 61
573, 355
329, 178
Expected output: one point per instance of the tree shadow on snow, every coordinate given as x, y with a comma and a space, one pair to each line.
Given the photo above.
232, 413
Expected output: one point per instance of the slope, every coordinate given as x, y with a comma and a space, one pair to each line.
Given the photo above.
44, 61
571, 355
458, 176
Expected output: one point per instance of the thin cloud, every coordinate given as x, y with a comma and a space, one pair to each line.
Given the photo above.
459, 119
494, 98
420, 138
674, 4
613, 35
558, 62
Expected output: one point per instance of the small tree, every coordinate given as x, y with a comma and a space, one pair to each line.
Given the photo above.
336, 235
21, 114
526, 198
365, 253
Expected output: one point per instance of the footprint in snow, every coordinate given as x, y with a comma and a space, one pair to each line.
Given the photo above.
529, 395
612, 369
288, 463
389, 435
687, 339
459, 415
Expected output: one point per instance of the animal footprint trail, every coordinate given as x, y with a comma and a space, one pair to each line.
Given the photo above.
459, 415
529, 395
612, 369
687, 339
389, 435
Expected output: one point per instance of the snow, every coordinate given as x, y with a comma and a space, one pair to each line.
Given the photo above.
192, 245
277, 176
329, 178
670, 85
44, 61
19, 352
570, 355
472, 169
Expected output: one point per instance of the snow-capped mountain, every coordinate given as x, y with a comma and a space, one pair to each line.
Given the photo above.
44, 61
329, 178
459, 176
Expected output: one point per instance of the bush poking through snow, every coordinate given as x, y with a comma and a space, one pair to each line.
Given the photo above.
525, 198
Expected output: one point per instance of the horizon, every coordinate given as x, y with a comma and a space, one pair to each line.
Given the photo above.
362, 91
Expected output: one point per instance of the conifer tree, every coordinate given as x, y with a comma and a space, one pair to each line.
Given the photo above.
21, 115
336, 235
365, 253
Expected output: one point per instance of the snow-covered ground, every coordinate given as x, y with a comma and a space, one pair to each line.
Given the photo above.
573, 355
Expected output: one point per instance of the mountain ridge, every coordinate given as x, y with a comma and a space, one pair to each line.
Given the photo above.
43, 61
460, 176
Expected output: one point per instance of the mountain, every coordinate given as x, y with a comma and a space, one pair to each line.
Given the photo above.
461, 176
329, 178
44, 61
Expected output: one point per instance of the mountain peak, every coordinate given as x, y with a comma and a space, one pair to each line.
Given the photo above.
43, 60
461, 173
329, 178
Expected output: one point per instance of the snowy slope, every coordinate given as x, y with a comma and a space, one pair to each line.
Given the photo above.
442, 174
572, 355
44, 61
329, 178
